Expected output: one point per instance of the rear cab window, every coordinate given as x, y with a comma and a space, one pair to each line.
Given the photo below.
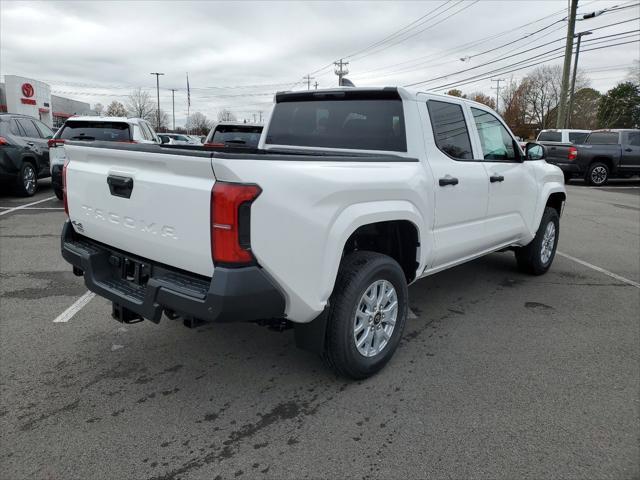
358, 120
96, 130
603, 138
578, 137
240, 135
550, 136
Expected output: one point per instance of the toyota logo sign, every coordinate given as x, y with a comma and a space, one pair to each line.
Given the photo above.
27, 90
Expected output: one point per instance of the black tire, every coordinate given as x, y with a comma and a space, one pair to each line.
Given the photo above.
27, 181
597, 174
59, 193
358, 271
530, 258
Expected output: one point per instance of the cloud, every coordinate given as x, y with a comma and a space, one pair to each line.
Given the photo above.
99, 51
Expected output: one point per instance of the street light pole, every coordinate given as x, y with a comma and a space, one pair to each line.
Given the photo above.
573, 78
157, 74
173, 107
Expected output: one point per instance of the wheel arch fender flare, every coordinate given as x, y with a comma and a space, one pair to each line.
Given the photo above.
357, 215
548, 190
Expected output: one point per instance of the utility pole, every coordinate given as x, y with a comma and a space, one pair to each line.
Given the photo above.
573, 78
173, 107
568, 50
316, 85
308, 78
157, 74
497, 89
341, 70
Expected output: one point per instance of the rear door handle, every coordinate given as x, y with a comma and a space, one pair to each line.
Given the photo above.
448, 180
628, 150
496, 178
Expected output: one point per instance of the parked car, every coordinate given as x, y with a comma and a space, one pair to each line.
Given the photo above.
106, 129
353, 194
177, 139
197, 140
604, 154
24, 153
234, 134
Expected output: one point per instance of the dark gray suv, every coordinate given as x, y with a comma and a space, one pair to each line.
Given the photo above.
24, 153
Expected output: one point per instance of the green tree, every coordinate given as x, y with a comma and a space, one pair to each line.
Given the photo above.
585, 109
620, 107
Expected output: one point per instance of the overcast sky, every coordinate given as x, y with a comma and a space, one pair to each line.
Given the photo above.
239, 53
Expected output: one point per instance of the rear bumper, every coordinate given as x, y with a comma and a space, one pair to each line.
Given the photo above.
232, 295
567, 167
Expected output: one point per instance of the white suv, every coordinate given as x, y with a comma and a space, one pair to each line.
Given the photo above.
109, 129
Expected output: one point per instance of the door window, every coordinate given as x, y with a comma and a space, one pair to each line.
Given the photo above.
450, 129
45, 131
603, 138
634, 139
28, 127
497, 143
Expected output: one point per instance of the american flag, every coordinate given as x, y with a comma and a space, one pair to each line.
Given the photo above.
188, 92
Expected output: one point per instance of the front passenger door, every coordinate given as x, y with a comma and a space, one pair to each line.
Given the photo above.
630, 153
513, 189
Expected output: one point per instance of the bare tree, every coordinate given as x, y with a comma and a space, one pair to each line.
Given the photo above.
225, 115
482, 98
116, 109
456, 93
164, 120
140, 105
199, 124
98, 108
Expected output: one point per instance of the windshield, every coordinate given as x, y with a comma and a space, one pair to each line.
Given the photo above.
96, 130
237, 135
363, 124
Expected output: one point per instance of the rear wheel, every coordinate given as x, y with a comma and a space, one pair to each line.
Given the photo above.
537, 257
27, 180
368, 310
597, 174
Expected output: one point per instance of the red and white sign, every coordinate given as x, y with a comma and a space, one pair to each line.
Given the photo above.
27, 90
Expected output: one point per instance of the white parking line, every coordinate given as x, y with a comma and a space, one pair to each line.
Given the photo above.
74, 308
26, 205
601, 270
34, 208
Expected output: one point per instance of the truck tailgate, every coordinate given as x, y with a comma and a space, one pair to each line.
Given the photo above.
149, 203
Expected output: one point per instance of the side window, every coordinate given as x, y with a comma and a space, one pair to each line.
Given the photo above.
497, 143
15, 129
44, 130
150, 131
634, 139
146, 134
28, 127
450, 129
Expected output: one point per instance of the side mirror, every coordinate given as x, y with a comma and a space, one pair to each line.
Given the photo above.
535, 151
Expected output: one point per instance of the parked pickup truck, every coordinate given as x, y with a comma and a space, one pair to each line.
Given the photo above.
604, 154
353, 194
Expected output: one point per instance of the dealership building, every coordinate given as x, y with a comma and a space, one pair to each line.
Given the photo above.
32, 97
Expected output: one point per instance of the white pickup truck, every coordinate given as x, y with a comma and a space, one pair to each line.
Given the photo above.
351, 195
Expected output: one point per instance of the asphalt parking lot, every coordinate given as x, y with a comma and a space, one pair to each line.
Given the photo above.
499, 375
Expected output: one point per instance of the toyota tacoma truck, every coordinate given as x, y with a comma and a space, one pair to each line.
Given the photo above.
351, 195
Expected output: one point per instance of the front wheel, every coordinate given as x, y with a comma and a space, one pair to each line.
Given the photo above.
368, 311
537, 257
597, 174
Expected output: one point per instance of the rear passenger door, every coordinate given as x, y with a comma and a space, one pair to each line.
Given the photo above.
630, 153
513, 189
461, 183
36, 143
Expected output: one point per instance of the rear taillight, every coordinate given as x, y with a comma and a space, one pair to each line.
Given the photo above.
4, 141
213, 145
573, 153
64, 188
230, 222
54, 142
